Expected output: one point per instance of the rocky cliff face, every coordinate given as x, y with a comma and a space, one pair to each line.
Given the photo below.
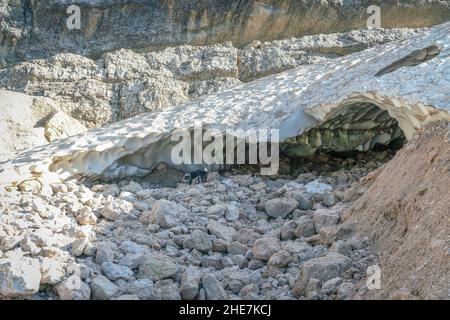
37, 29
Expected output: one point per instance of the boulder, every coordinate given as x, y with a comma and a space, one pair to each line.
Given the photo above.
264, 248
280, 207
167, 214
213, 288
73, 288
157, 267
324, 268
19, 277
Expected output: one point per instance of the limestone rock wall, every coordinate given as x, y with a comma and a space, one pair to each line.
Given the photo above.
37, 29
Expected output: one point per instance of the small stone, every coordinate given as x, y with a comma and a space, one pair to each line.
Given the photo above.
287, 230
73, 288
345, 290
85, 216
246, 236
103, 289
166, 214
317, 187
325, 218
213, 288
328, 235
131, 260
143, 289
78, 246
250, 292
258, 186
240, 261
33, 186
312, 288
235, 286
59, 188
219, 245
255, 264
227, 262
236, 248
216, 210
89, 250
128, 297
330, 286
190, 281
246, 276
221, 231
167, 290
280, 207
214, 261
342, 246
305, 227
243, 180
52, 271
264, 248
19, 276
300, 213
198, 240
128, 246
40, 207
105, 252
115, 271
329, 199
324, 268
157, 267
280, 259
110, 212
132, 187
232, 213
29, 246
304, 200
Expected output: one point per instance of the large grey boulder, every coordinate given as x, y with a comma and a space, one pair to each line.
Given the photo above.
19, 277
280, 207
167, 214
73, 288
198, 240
190, 281
264, 248
324, 268
213, 288
103, 289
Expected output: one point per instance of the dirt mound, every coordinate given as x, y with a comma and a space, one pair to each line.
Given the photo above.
406, 213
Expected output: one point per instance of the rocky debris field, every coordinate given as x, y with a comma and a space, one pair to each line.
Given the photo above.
237, 236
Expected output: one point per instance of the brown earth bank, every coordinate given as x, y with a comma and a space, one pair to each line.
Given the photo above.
405, 212
37, 29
